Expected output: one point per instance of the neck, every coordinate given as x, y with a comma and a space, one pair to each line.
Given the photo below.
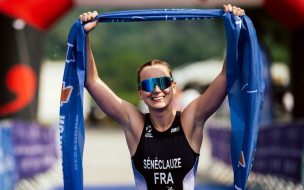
162, 119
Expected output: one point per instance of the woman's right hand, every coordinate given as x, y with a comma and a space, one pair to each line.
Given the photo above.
86, 17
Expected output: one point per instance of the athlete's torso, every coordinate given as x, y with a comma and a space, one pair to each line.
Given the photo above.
164, 160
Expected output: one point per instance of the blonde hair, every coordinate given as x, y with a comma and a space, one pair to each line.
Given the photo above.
151, 63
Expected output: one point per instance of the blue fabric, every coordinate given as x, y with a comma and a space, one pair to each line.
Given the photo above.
8, 162
245, 86
71, 123
244, 66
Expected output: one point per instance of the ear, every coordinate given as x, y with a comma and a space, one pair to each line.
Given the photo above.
174, 87
139, 92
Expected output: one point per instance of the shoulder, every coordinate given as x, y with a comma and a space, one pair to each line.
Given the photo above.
189, 115
133, 130
190, 120
193, 129
187, 120
136, 120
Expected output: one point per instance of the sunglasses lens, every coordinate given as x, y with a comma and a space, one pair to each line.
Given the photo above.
162, 83
147, 85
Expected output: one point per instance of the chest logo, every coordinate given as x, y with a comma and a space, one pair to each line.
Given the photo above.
148, 128
176, 129
148, 131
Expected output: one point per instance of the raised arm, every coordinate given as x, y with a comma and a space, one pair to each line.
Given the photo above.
119, 110
199, 110
105, 98
210, 101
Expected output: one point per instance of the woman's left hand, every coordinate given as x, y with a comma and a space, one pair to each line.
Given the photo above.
233, 9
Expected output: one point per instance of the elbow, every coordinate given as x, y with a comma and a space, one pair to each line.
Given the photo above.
222, 76
223, 72
90, 81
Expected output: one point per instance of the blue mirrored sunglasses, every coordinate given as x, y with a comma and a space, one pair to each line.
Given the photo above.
148, 85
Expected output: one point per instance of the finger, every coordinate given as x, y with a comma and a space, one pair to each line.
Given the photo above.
225, 8
80, 17
238, 12
242, 12
84, 17
234, 10
229, 8
89, 16
94, 15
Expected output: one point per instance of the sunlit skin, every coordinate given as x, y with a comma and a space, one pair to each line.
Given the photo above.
160, 109
166, 94
162, 114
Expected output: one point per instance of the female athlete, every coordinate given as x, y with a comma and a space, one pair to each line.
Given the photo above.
164, 144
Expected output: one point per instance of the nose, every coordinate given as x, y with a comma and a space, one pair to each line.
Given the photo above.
156, 88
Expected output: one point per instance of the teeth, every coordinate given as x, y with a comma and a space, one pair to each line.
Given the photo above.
157, 98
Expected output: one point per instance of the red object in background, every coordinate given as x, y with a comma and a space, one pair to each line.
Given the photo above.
21, 80
289, 12
40, 14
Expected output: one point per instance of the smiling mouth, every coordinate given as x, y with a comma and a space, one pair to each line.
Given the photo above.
158, 98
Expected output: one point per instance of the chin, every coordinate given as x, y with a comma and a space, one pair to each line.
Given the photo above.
158, 106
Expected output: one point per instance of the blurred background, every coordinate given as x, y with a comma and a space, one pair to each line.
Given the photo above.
33, 49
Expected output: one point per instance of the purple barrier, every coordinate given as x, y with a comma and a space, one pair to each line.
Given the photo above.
278, 152
220, 142
35, 148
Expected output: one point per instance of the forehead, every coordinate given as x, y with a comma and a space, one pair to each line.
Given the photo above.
154, 71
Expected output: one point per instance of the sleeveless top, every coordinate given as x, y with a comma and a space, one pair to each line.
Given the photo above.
164, 160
